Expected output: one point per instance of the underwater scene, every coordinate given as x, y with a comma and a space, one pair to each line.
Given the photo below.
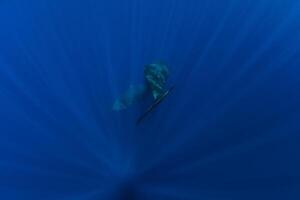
150, 100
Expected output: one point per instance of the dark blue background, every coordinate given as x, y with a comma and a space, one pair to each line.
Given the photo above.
229, 130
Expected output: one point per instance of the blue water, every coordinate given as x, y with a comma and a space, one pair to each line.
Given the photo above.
230, 130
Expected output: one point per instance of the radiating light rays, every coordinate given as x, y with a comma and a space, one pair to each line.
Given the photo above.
242, 33
172, 148
269, 69
210, 42
266, 45
33, 168
163, 42
135, 41
106, 68
64, 136
176, 70
167, 41
43, 163
49, 174
208, 47
236, 151
122, 156
231, 151
40, 148
166, 145
185, 140
206, 177
197, 21
44, 116
71, 109
223, 90
169, 25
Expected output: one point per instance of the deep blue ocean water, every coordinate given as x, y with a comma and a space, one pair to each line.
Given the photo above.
228, 131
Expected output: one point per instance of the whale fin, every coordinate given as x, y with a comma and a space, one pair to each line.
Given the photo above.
154, 105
